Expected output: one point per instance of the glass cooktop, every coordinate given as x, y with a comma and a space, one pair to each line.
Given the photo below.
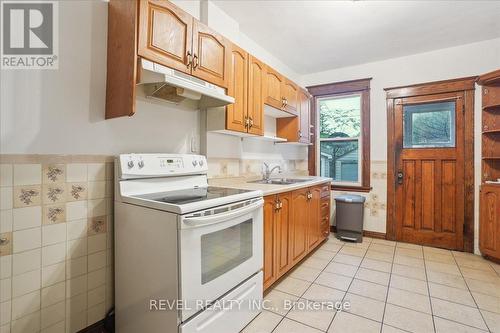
186, 196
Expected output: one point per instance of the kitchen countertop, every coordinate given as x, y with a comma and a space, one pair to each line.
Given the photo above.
268, 189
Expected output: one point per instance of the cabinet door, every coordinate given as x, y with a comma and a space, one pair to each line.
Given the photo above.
256, 70
314, 231
290, 92
237, 87
211, 54
273, 83
283, 255
489, 226
299, 223
269, 241
304, 117
165, 34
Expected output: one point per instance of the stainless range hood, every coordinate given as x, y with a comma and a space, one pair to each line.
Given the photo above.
160, 82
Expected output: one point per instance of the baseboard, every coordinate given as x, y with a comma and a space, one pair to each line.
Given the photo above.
95, 328
366, 233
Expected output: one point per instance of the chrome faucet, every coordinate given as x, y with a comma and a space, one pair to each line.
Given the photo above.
267, 172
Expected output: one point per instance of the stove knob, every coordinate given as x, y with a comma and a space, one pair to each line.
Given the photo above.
140, 164
130, 164
201, 162
195, 163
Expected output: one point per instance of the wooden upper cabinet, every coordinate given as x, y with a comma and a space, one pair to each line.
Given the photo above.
290, 93
273, 88
211, 54
236, 114
304, 117
165, 34
256, 71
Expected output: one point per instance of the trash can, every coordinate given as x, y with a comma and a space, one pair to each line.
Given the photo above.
349, 210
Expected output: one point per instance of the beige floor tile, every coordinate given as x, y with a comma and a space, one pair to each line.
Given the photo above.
496, 267
382, 248
446, 279
457, 312
451, 294
276, 301
323, 254
347, 259
373, 276
330, 246
409, 300
437, 250
353, 251
447, 326
291, 326
365, 307
319, 293
382, 256
408, 261
408, 320
293, 286
390, 329
368, 289
438, 257
333, 280
383, 242
481, 275
345, 322
443, 268
312, 314
480, 264
363, 245
419, 254
376, 265
315, 263
409, 246
408, 271
487, 302
342, 269
492, 320
265, 322
416, 286
492, 289
305, 273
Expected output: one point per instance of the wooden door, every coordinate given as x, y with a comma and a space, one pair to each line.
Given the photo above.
314, 231
273, 83
429, 160
211, 54
489, 221
283, 255
269, 240
256, 71
236, 114
304, 117
290, 93
165, 34
299, 224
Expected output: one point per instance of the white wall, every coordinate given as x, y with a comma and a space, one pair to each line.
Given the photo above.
455, 62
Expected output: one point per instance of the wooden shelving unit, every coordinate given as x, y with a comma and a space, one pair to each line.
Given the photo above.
489, 202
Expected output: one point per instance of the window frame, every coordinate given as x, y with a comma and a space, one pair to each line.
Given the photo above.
341, 89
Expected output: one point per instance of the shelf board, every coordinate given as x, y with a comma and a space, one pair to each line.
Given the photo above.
491, 108
491, 158
491, 184
491, 131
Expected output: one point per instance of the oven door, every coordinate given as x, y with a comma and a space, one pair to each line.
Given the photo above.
219, 249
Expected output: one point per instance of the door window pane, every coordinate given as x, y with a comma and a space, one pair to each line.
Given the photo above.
225, 249
429, 125
340, 160
340, 117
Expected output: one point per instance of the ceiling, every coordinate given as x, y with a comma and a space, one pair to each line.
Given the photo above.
312, 36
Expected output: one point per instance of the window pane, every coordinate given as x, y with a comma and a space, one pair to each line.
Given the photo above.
339, 117
339, 160
429, 125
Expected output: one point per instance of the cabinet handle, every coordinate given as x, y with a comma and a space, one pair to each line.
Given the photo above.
195, 62
189, 59
277, 205
300, 134
247, 122
286, 102
309, 195
250, 123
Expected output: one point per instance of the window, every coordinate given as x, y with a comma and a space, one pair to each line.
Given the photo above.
342, 123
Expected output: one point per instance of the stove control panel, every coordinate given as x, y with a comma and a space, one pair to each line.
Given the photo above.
160, 165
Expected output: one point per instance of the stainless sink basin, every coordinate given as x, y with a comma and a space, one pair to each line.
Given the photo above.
279, 181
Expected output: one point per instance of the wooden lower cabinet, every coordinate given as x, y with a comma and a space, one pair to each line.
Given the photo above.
489, 221
293, 227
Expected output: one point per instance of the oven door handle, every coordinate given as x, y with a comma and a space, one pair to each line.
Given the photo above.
221, 217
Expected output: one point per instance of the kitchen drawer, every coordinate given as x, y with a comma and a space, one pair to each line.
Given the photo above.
325, 190
325, 207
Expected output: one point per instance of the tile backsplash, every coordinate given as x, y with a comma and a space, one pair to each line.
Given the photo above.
56, 260
233, 167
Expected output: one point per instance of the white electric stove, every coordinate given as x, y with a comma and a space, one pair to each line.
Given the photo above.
181, 242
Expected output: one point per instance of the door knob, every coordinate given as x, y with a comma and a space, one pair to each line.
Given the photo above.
400, 177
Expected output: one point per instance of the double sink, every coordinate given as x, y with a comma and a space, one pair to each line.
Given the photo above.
279, 181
